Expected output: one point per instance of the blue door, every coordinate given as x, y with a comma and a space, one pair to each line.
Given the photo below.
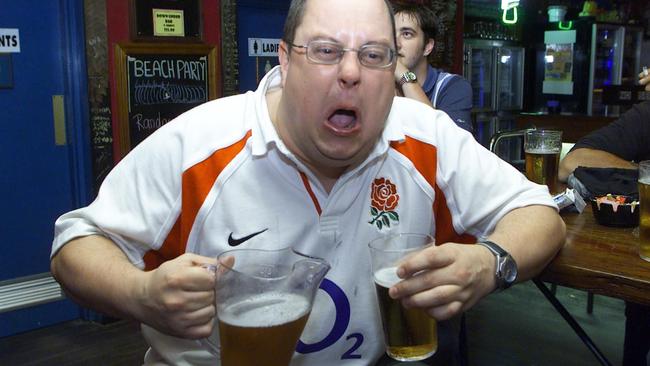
257, 19
44, 169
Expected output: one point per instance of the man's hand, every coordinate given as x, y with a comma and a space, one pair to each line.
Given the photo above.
400, 69
644, 78
178, 297
446, 279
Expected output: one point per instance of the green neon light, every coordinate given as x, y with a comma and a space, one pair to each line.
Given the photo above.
565, 25
512, 20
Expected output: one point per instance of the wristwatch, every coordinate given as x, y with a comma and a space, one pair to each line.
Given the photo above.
506, 268
408, 77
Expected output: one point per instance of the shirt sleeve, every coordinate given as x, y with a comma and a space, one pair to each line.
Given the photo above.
455, 99
479, 187
627, 137
138, 201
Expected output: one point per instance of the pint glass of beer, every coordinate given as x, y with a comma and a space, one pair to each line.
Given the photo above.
542, 148
409, 334
644, 217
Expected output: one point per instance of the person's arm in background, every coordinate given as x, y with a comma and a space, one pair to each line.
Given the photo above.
590, 158
616, 145
644, 78
409, 90
455, 99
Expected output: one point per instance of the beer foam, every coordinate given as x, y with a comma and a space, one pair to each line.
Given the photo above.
645, 180
543, 151
387, 277
265, 310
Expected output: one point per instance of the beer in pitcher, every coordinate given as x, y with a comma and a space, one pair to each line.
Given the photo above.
262, 330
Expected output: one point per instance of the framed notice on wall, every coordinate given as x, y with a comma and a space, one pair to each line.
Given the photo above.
157, 82
166, 20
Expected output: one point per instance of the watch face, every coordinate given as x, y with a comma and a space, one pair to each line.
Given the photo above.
410, 76
509, 270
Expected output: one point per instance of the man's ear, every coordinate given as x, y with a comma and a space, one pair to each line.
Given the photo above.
429, 46
283, 56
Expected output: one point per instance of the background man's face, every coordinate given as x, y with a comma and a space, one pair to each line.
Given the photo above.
411, 40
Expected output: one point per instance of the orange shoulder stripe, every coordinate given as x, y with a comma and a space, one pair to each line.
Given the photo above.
425, 159
197, 182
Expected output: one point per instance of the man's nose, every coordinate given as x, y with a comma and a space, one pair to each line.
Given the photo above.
350, 69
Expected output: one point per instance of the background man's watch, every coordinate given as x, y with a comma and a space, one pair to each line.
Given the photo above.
408, 77
506, 268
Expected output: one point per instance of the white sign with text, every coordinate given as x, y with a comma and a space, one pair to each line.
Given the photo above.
9, 40
263, 47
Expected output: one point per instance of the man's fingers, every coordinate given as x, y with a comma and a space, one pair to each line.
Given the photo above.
424, 282
200, 316
199, 330
426, 259
446, 311
197, 260
225, 263
433, 297
196, 278
195, 300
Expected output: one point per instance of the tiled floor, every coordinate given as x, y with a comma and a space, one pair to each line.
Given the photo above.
515, 328
520, 327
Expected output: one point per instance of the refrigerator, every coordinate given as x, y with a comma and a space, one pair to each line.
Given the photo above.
495, 69
579, 59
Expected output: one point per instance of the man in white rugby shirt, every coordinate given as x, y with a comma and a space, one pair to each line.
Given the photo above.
305, 160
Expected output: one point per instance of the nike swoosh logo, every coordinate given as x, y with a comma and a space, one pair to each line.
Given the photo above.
235, 242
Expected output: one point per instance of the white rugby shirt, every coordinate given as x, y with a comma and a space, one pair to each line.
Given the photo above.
220, 170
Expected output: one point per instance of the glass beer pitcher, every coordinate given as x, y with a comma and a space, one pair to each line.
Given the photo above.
264, 298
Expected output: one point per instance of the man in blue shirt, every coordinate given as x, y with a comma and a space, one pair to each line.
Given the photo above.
417, 27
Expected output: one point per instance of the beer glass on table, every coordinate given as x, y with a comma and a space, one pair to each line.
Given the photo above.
644, 217
409, 334
542, 149
264, 298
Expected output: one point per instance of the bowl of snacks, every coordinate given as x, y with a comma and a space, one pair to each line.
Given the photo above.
616, 210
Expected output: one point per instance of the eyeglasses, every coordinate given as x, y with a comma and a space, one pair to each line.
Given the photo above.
375, 56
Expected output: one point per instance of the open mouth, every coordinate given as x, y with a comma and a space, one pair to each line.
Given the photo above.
343, 119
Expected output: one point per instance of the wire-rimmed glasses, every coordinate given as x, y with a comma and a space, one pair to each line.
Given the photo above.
375, 56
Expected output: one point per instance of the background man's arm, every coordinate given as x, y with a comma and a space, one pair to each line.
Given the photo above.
409, 90
590, 158
415, 91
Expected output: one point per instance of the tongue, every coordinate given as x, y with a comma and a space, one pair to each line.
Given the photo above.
342, 119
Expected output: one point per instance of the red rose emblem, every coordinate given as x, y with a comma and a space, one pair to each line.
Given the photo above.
383, 201
384, 195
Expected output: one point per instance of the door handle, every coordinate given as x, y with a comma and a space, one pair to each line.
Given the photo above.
58, 112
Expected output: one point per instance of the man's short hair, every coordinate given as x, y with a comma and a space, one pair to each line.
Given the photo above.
297, 12
423, 14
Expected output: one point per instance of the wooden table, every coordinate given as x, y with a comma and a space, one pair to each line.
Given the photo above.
600, 259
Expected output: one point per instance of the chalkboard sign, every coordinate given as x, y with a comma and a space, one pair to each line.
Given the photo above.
157, 82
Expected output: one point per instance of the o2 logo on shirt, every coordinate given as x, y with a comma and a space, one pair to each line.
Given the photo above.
341, 322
